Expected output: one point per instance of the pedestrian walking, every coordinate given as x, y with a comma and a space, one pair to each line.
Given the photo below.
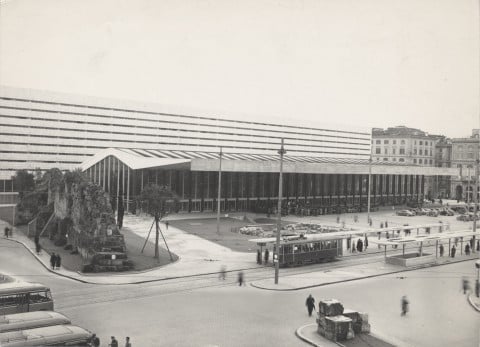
338, 219
467, 249
381, 225
310, 303
366, 242
355, 218
114, 342
404, 304
478, 246
95, 341
223, 273
240, 279
120, 214
5, 231
386, 224
359, 245
442, 250
127, 342
166, 225
454, 250
465, 285
267, 254
53, 259
58, 261
259, 257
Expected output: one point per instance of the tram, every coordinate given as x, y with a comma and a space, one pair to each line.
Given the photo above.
304, 249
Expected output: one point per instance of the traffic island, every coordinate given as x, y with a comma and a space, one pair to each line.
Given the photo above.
410, 259
339, 326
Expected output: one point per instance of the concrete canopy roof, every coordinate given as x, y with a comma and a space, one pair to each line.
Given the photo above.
136, 159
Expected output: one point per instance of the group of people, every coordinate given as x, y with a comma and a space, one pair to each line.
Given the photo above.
95, 341
55, 261
266, 256
358, 246
223, 275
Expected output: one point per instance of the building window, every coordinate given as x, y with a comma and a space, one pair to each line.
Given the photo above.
401, 159
470, 155
420, 161
394, 142
414, 161
420, 152
402, 150
431, 161
378, 142
402, 142
385, 159
414, 151
386, 150
393, 150
377, 150
385, 142
421, 143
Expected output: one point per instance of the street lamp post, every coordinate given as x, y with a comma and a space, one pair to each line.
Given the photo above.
279, 213
219, 190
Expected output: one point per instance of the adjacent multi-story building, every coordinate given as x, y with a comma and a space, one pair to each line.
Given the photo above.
410, 146
465, 151
443, 158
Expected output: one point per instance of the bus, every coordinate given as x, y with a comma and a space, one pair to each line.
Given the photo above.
56, 335
19, 297
30, 320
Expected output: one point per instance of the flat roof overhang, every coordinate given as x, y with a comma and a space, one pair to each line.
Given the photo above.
141, 159
320, 168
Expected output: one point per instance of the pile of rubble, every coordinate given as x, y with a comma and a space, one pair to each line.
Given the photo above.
338, 324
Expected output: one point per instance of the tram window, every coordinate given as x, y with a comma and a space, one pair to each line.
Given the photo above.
40, 297
12, 300
334, 243
287, 249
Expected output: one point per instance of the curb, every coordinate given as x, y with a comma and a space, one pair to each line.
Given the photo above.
299, 334
46, 267
356, 279
470, 300
128, 283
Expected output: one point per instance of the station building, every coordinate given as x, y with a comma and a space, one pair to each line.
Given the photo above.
124, 145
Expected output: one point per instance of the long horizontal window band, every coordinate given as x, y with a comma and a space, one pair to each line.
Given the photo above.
171, 114
189, 123
179, 144
48, 153
192, 138
93, 147
366, 141
40, 161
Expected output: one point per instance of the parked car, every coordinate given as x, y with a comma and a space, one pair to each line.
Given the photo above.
446, 212
467, 217
407, 213
432, 213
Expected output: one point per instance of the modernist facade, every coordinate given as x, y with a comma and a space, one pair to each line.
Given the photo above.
125, 145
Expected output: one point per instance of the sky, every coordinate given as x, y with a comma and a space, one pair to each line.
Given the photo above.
368, 63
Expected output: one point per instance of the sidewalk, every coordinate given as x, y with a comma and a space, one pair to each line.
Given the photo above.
474, 301
196, 256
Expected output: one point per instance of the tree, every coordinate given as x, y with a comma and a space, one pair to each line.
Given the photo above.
24, 181
159, 201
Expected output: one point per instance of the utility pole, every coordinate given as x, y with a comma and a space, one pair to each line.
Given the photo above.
369, 187
279, 214
219, 190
